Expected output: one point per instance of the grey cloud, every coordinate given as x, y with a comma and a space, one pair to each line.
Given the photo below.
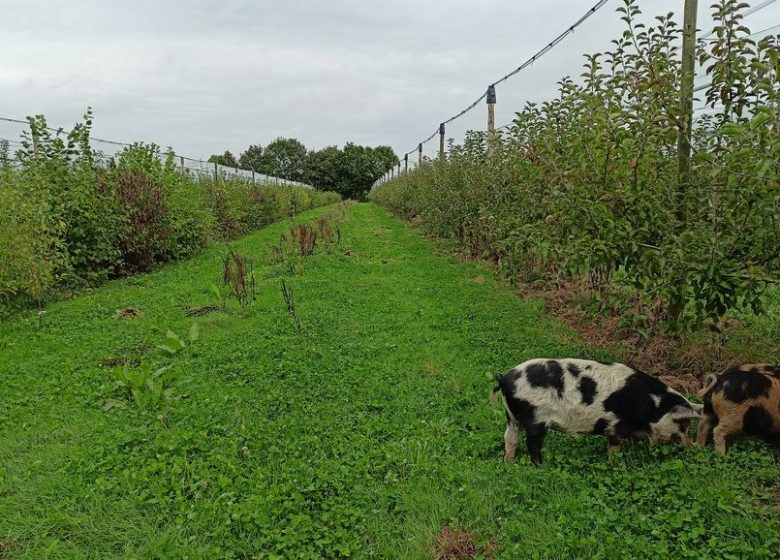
205, 76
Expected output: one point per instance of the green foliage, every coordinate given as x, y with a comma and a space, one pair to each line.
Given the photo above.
289, 300
252, 158
350, 171
284, 157
227, 159
173, 344
67, 222
220, 294
28, 247
351, 439
143, 385
303, 240
82, 211
587, 185
190, 220
148, 386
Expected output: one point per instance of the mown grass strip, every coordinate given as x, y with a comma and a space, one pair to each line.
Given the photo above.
363, 436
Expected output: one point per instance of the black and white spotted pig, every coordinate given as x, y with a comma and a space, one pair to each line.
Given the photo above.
743, 399
585, 397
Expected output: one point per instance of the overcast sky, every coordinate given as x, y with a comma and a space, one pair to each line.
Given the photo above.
203, 76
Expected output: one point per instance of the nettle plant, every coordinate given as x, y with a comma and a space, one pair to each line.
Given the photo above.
238, 276
586, 185
305, 240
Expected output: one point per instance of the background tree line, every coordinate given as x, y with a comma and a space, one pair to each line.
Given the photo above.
349, 171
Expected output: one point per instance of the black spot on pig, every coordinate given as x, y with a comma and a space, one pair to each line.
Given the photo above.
634, 406
587, 388
758, 421
772, 370
522, 411
549, 375
600, 425
739, 386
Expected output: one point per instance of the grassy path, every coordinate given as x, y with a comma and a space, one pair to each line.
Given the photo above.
361, 437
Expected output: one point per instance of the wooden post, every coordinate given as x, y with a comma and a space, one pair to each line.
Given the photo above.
35, 136
685, 126
399, 167
419, 155
406, 163
253, 177
181, 161
441, 141
216, 172
491, 104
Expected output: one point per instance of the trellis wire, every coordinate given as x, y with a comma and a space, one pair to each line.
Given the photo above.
547, 48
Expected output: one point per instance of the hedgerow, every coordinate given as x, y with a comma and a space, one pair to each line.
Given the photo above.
68, 222
586, 185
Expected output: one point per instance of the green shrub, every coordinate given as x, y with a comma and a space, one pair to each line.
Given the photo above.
82, 206
191, 222
586, 185
27, 244
145, 234
67, 222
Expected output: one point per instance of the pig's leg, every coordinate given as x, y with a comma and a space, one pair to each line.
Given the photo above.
534, 440
704, 430
721, 433
615, 445
511, 436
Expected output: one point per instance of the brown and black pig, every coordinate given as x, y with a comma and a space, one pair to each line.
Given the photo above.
743, 399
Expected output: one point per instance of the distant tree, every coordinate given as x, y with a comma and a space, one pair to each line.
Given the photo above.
227, 159
351, 171
323, 169
252, 158
383, 158
285, 158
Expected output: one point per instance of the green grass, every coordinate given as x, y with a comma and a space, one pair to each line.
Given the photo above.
361, 437
758, 336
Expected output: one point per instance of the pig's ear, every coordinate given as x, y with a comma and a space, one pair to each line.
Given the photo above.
682, 412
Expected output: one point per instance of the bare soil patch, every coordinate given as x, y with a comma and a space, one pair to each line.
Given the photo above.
127, 313
452, 544
201, 311
119, 362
